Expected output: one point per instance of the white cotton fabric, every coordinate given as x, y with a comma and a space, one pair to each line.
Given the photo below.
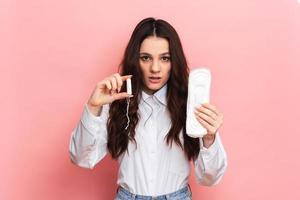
153, 168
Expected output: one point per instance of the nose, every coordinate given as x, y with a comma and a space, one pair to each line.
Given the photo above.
155, 67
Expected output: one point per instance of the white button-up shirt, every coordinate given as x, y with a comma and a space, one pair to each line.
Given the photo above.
153, 168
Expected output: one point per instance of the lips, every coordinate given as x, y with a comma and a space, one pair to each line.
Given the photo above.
154, 79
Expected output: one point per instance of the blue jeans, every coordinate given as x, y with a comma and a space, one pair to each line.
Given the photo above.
181, 194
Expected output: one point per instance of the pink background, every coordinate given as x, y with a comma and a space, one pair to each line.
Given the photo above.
53, 53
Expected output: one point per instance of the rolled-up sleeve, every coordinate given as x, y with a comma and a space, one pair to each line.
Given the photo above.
211, 163
88, 142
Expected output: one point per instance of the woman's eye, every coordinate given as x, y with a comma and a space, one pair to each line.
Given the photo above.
165, 58
145, 58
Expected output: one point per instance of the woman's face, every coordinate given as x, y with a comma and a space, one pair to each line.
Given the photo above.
155, 63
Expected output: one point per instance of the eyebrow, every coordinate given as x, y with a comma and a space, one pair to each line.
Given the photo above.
145, 53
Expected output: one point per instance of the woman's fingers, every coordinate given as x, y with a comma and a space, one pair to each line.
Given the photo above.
121, 95
119, 81
108, 90
126, 77
211, 107
208, 111
209, 127
114, 83
207, 118
108, 84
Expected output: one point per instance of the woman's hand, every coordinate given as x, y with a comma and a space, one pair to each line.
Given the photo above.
107, 91
211, 118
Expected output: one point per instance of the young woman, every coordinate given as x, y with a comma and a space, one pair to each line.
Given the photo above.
154, 152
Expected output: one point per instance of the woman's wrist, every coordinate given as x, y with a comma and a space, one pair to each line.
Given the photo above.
95, 110
208, 140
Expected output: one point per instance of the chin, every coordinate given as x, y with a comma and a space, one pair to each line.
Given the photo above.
154, 87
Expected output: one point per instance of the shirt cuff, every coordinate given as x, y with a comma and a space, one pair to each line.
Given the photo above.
92, 122
212, 149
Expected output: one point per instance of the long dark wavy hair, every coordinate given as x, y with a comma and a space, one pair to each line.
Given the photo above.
118, 136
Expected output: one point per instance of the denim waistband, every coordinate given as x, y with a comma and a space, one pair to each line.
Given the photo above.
179, 194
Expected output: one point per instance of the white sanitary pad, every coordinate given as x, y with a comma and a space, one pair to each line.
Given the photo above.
198, 93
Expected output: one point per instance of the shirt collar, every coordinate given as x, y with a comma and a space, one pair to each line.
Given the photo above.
160, 95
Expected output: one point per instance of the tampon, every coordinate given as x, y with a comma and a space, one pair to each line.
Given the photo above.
128, 86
